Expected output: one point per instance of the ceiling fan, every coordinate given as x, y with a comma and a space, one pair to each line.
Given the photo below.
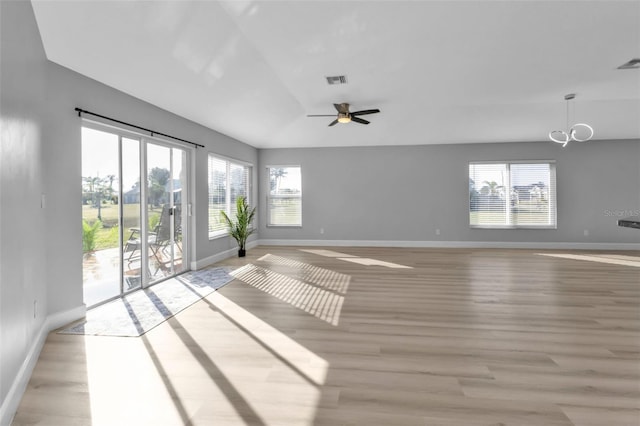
345, 116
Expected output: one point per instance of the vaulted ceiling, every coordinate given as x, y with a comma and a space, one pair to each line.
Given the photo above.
439, 71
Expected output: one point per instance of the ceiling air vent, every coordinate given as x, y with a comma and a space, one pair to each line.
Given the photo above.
634, 63
337, 79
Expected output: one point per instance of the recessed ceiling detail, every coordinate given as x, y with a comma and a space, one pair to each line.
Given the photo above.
443, 72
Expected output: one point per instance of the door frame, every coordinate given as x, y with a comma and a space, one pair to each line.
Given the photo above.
187, 191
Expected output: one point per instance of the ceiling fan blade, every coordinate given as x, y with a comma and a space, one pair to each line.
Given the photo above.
359, 120
334, 122
343, 107
321, 115
366, 111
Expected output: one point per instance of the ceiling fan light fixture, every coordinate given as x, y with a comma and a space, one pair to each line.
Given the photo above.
344, 118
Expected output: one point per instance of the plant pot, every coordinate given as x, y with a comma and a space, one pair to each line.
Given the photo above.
242, 253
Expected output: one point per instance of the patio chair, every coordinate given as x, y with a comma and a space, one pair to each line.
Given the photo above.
177, 231
159, 239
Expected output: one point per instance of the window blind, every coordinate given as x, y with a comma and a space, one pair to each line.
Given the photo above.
238, 185
227, 181
512, 194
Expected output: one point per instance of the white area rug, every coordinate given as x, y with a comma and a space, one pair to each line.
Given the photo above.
141, 311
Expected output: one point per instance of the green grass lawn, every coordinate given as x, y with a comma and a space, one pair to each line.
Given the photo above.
215, 220
499, 218
107, 236
109, 214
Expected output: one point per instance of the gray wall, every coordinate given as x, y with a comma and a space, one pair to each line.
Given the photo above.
41, 249
406, 193
23, 273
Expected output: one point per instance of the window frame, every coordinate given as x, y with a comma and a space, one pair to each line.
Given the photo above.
228, 162
281, 197
553, 196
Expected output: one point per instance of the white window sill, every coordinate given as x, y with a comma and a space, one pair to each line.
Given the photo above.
218, 235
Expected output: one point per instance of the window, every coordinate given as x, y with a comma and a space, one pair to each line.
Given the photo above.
227, 181
512, 194
285, 196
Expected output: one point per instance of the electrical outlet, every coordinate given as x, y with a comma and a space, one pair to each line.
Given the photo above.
321, 230
586, 232
437, 231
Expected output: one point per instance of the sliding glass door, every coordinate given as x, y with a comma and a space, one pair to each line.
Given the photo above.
166, 167
131, 209
101, 258
133, 234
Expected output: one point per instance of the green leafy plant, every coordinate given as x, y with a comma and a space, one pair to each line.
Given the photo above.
154, 220
107, 238
89, 235
239, 228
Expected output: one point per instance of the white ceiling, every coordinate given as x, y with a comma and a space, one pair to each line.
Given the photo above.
440, 71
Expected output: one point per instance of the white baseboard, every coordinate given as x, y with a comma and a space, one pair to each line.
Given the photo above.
453, 244
52, 322
60, 319
201, 263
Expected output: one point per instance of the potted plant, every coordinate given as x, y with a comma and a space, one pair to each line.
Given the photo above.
239, 229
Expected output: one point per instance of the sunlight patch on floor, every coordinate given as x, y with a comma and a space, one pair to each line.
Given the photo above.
313, 367
365, 261
118, 388
374, 262
318, 301
326, 253
331, 280
185, 374
613, 259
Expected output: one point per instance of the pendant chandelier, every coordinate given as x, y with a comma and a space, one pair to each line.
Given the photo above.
579, 132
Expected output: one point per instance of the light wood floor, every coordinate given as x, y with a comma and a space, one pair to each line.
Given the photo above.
456, 337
